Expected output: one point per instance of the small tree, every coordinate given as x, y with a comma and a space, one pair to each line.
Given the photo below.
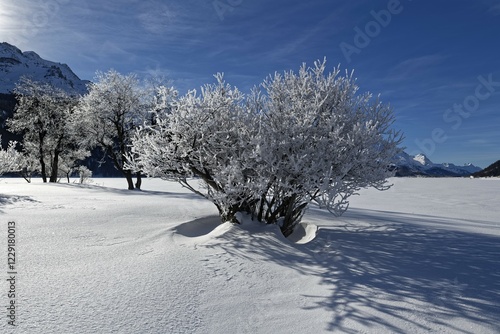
44, 116
27, 166
310, 138
70, 164
84, 174
109, 114
9, 158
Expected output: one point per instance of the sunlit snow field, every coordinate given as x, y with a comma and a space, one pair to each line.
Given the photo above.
421, 257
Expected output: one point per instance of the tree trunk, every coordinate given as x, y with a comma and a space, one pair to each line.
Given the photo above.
139, 181
119, 166
55, 167
26, 174
43, 169
128, 176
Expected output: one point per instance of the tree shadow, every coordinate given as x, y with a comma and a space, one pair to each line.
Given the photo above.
386, 269
12, 199
436, 274
127, 192
198, 227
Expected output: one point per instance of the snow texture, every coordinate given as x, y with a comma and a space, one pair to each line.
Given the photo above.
421, 257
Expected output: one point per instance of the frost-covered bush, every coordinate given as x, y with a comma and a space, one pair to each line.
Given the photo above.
9, 158
306, 137
27, 165
210, 137
84, 174
320, 141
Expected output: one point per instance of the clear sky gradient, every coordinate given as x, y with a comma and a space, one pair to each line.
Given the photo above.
437, 62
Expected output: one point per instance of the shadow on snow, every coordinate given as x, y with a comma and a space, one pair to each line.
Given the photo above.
395, 269
198, 227
12, 199
127, 192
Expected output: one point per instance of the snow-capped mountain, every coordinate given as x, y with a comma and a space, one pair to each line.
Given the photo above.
408, 165
14, 64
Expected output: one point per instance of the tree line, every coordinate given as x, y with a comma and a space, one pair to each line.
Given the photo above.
59, 130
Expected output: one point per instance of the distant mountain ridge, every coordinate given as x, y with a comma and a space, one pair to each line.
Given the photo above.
420, 165
492, 170
14, 64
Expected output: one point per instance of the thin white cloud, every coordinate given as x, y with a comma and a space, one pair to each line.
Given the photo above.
494, 9
157, 21
479, 142
417, 65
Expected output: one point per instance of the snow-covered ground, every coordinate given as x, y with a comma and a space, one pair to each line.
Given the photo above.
421, 257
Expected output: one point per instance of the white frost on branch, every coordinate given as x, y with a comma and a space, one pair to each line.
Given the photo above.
302, 137
9, 158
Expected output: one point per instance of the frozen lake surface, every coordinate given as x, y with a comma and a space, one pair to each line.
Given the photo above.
421, 257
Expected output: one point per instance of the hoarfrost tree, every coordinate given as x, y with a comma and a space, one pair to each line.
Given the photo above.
27, 166
309, 138
70, 164
109, 114
9, 158
203, 136
320, 142
44, 116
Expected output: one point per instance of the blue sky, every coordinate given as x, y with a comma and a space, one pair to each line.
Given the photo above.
437, 62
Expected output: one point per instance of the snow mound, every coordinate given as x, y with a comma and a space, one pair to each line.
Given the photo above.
198, 227
201, 229
303, 233
205, 229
